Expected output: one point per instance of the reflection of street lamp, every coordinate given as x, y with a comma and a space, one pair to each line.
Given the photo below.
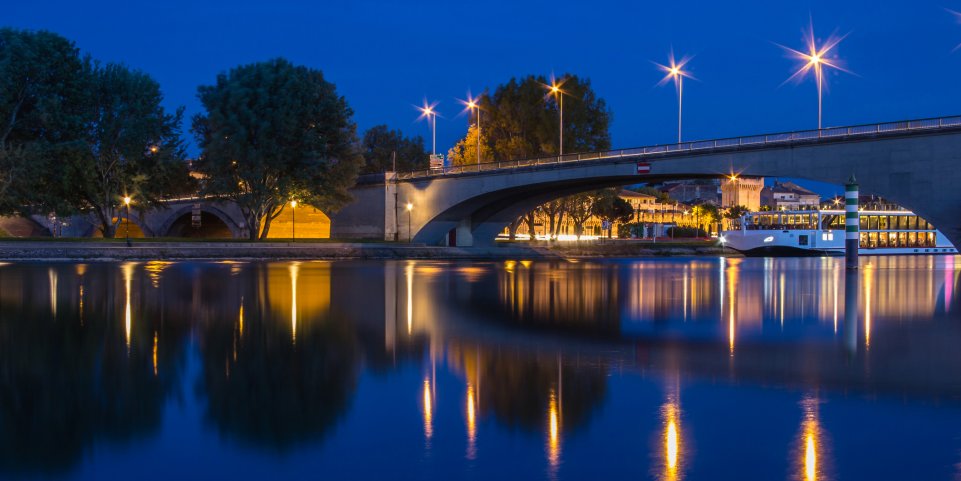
126, 202
293, 218
410, 207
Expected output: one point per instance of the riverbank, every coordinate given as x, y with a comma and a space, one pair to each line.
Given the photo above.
117, 249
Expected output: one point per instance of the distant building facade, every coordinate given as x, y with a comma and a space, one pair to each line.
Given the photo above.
744, 191
789, 196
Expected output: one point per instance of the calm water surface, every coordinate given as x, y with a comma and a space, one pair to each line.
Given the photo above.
638, 369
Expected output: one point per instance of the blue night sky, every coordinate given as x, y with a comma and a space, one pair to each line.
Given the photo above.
387, 56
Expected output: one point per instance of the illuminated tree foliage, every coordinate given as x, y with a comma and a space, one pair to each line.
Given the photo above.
609, 207
275, 132
464, 152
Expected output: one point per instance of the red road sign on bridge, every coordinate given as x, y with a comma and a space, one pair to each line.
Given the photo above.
643, 168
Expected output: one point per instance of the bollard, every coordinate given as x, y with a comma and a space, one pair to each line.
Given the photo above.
852, 226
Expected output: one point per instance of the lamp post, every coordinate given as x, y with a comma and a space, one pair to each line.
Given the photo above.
475, 107
293, 219
410, 207
126, 202
557, 92
816, 58
431, 114
675, 71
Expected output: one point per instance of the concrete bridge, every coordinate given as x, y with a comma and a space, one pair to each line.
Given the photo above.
916, 164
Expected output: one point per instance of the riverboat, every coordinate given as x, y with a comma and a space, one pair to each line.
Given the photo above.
821, 232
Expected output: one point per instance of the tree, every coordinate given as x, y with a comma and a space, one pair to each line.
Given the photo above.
273, 132
735, 212
554, 210
521, 121
42, 88
132, 147
608, 206
381, 144
706, 214
464, 152
578, 207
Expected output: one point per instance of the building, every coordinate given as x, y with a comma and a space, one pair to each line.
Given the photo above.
694, 191
744, 191
789, 196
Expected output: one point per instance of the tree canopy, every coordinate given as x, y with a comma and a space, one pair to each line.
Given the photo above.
521, 120
275, 132
381, 144
42, 106
464, 152
608, 206
132, 147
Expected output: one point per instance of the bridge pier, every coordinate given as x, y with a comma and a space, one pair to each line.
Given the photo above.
464, 236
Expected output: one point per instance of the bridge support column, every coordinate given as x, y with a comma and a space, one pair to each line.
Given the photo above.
464, 237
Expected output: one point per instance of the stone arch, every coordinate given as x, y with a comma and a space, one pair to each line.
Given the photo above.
138, 228
174, 223
15, 226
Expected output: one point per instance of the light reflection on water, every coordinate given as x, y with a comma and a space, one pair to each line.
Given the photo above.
551, 368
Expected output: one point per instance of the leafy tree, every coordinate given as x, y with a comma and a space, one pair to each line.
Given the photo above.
42, 88
609, 207
273, 132
522, 120
381, 144
132, 147
579, 207
706, 214
735, 212
464, 152
554, 211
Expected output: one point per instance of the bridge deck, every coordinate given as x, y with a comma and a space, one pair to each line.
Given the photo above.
684, 148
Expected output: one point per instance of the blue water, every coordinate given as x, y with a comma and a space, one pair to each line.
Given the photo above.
701, 368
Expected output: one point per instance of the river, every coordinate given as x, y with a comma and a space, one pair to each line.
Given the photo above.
658, 368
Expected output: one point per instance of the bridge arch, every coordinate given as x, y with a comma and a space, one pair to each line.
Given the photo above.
178, 223
919, 169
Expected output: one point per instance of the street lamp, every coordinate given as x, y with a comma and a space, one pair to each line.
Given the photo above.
410, 207
675, 71
431, 114
559, 94
816, 59
293, 218
475, 107
126, 202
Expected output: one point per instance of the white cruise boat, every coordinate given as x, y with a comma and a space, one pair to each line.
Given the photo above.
821, 232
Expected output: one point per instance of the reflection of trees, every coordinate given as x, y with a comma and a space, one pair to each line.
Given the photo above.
516, 386
559, 296
68, 379
267, 387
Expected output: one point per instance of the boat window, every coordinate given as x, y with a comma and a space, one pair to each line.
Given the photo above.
882, 238
883, 222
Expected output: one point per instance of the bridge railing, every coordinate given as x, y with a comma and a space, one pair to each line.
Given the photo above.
833, 133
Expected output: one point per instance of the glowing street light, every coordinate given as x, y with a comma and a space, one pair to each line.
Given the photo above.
474, 107
816, 59
675, 71
431, 114
126, 202
555, 90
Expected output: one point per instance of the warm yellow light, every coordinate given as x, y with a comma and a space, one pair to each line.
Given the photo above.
471, 104
410, 206
553, 440
815, 59
126, 200
428, 413
810, 459
154, 149
672, 445
675, 71
293, 203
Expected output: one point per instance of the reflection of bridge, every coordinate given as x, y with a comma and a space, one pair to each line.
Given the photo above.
912, 163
